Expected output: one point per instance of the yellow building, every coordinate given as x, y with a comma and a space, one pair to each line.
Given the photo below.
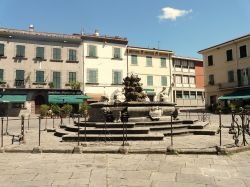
227, 71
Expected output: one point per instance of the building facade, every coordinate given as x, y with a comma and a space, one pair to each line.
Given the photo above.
105, 65
153, 66
227, 68
33, 64
188, 82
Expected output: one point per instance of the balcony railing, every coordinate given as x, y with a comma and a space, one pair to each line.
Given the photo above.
19, 83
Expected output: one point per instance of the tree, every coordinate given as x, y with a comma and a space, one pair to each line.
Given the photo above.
66, 109
75, 85
133, 88
44, 110
83, 109
55, 109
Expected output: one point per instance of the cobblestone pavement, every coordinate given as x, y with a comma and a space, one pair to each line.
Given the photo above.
49, 141
124, 170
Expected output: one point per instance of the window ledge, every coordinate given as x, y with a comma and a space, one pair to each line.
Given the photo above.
20, 58
55, 60
2, 82
114, 84
72, 61
134, 64
39, 59
92, 57
116, 58
90, 83
3, 56
39, 83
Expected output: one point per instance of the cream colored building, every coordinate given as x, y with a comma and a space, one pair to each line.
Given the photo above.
227, 70
34, 64
153, 66
188, 84
105, 65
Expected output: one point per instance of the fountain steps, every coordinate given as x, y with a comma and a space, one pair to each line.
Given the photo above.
112, 137
158, 123
108, 125
189, 131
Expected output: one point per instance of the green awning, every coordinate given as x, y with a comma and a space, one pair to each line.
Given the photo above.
71, 99
236, 95
13, 98
151, 93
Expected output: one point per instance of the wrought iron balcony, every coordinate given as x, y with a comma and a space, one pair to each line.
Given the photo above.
19, 83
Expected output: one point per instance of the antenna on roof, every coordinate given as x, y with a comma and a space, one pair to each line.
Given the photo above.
158, 42
82, 31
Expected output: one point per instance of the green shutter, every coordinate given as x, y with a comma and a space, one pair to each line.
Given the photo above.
1, 49
117, 52
150, 80
19, 74
163, 62
243, 51
92, 51
134, 59
149, 61
72, 55
117, 76
57, 79
20, 51
56, 54
92, 76
40, 76
164, 81
1, 74
40, 52
72, 76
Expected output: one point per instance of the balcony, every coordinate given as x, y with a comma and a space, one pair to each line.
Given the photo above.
19, 84
233, 85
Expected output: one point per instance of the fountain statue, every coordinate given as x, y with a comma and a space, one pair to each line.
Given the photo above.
132, 100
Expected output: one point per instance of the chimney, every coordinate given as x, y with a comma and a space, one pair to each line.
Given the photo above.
31, 28
97, 32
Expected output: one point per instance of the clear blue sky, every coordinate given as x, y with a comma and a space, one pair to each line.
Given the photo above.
188, 25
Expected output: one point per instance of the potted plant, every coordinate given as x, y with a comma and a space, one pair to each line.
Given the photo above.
51, 85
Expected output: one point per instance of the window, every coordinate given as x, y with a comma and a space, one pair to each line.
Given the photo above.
210, 60
72, 77
117, 77
1, 49
40, 76
40, 52
191, 65
163, 63
243, 51
72, 55
134, 59
179, 94
191, 80
177, 63
57, 79
92, 76
229, 54
56, 54
92, 51
149, 61
186, 94
20, 51
211, 79
192, 95
164, 81
199, 95
230, 76
150, 80
185, 79
19, 77
185, 64
178, 79
1, 74
117, 53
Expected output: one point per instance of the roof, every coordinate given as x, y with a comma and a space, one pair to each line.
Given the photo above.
187, 58
226, 43
150, 49
105, 38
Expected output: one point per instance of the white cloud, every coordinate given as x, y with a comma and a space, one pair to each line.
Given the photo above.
172, 13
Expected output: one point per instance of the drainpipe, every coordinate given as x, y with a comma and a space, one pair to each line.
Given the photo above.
83, 67
127, 60
170, 68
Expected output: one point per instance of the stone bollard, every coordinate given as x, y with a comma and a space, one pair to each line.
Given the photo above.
37, 150
77, 150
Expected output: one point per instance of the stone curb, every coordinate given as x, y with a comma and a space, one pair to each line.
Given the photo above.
125, 150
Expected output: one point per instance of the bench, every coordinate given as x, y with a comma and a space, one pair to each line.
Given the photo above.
17, 138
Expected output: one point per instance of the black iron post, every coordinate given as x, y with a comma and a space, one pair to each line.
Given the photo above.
78, 138
220, 127
39, 133
2, 132
61, 121
85, 128
172, 143
123, 133
243, 128
7, 124
29, 122
53, 119
22, 126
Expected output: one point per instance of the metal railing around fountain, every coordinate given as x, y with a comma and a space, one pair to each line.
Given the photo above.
238, 128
